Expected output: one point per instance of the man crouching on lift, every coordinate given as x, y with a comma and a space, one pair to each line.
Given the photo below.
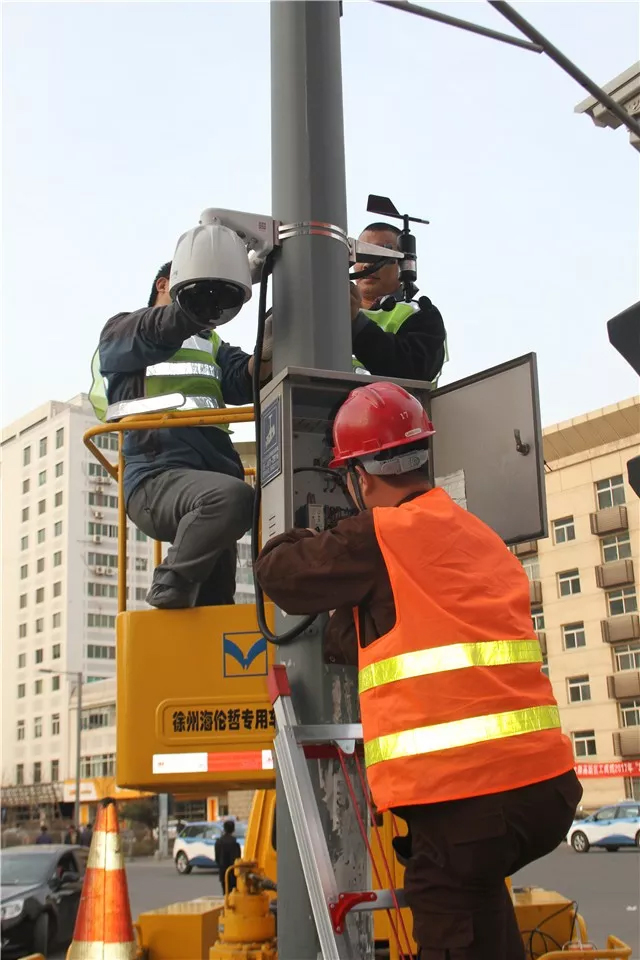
461, 730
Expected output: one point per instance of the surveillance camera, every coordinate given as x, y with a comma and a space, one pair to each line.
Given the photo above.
210, 274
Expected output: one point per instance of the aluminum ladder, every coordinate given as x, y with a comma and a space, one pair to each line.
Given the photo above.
329, 906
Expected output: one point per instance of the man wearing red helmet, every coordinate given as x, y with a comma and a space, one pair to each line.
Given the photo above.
461, 729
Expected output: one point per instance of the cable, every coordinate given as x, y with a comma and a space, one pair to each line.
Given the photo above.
304, 624
372, 268
538, 931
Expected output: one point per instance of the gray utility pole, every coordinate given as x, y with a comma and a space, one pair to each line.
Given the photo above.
76, 812
163, 826
312, 328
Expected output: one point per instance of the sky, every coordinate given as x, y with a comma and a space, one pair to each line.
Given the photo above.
122, 121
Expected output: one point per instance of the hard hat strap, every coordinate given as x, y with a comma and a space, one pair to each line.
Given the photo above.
355, 483
394, 467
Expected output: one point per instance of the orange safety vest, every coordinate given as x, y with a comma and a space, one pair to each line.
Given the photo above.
453, 700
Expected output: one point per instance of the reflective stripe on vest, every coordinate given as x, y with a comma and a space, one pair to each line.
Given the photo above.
460, 733
456, 656
452, 699
162, 404
390, 321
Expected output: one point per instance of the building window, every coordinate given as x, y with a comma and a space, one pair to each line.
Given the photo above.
57, 528
584, 743
610, 492
19, 774
102, 530
42, 478
102, 590
106, 441
37, 727
25, 514
617, 547
23, 601
55, 724
57, 558
20, 731
43, 447
102, 559
97, 470
95, 679
59, 469
99, 717
102, 765
40, 565
537, 615
55, 771
22, 691
59, 438
531, 566
26, 456
573, 636
142, 537
40, 625
42, 506
545, 665
24, 571
627, 656
568, 583
564, 530
620, 601
55, 651
56, 620
141, 563
24, 542
25, 486
22, 631
40, 595
37, 772
55, 683
630, 713
22, 660
57, 588
39, 655
102, 500
579, 689
40, 536
141, 593
37, 687
57, 500
101, 620
97, 652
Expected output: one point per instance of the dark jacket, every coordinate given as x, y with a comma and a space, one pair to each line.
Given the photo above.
227, 852
336, 570
129, 343
44, 838
415, 352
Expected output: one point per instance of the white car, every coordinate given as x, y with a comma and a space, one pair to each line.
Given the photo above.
196, 846
610, 827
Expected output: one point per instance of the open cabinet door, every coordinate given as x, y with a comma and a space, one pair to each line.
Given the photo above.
487, 450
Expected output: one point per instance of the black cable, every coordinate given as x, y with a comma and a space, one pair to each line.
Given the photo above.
294, 632
328, 472
368, 271
573, 904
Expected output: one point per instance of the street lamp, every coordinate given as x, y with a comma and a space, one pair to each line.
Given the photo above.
78, 676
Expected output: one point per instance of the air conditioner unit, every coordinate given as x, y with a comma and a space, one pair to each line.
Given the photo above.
97, 539
98, 514
100, 571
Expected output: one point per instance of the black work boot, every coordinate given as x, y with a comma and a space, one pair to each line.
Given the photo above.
169, 591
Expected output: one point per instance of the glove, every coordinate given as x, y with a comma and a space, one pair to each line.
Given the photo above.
267, 343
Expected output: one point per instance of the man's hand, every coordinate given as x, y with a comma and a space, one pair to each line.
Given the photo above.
355, 300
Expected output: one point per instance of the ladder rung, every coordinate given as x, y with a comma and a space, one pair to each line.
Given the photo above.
308, 733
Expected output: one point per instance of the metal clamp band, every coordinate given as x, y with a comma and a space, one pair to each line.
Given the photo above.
312, 228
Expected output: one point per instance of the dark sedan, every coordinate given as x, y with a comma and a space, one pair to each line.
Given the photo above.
41, 887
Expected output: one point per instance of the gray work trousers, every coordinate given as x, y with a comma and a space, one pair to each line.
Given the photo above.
203, 515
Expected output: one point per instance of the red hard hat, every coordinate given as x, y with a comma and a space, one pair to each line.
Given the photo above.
377, 417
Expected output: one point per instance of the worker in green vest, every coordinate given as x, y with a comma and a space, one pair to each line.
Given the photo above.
184, 485
392, 338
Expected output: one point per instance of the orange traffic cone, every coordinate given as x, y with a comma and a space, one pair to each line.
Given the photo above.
103, 926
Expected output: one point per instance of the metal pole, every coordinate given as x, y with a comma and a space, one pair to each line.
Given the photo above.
163, 826
462, 24
312, 328
78, 748
567, 65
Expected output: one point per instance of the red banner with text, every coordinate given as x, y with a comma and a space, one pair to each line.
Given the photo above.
619, 768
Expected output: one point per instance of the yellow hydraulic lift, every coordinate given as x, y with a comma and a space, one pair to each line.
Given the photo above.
208, 725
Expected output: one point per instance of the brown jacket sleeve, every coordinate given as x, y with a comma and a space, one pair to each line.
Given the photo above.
306, 573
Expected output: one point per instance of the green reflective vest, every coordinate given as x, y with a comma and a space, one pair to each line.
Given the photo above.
390, 321
189, 380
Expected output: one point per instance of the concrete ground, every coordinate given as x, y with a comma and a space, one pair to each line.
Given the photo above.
606, 886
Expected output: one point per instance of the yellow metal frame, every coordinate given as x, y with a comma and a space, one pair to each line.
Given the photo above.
152, 421
614, 950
